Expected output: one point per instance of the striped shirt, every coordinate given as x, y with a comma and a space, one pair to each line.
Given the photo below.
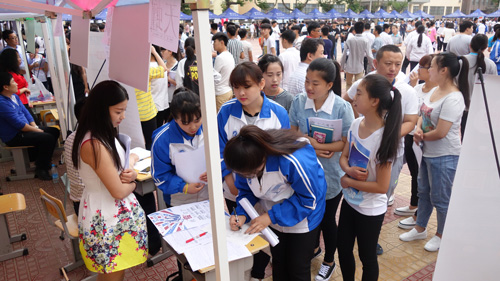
76, 183
145, 103
235, 48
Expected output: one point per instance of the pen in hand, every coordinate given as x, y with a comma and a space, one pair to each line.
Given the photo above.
237, 220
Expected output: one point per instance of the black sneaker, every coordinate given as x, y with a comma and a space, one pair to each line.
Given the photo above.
380, 250
42, 175
317, 253
325, 272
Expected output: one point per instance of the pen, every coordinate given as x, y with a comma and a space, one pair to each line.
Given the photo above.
237, 220
196, 237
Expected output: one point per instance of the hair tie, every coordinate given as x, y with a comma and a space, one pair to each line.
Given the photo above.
392, 93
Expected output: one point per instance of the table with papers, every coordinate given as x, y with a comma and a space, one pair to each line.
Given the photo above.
187, 231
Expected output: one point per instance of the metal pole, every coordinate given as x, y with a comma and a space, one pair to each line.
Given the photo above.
210, 135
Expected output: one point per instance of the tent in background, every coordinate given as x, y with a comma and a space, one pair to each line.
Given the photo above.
366, 14
457, 14
477, 13
407, 15
382, 14
396, 14
297, 14
350, 14
255, 14
422, 14
185, 17
316, 14
232, 15
276, 14
333, 14
494, 14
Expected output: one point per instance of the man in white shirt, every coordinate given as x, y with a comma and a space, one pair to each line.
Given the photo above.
481, 28
311, 49
371, 38
12, 41
276, 34
269, 45
252, 30
224, 65
290, 57
358, 47
385, 34
234, 45
459, 44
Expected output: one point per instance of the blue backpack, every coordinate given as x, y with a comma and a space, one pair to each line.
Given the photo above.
495, 54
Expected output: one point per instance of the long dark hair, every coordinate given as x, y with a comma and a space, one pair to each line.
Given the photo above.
420, 30
95, 118
254, 144
9, 61
478, 44
452, 62
189, 48
497, 35
329, 72
380, 88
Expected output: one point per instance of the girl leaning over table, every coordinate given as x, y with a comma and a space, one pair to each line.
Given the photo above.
182, 133
111, 223
282, 174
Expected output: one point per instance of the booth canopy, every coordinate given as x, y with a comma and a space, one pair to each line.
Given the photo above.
316, 14
333, 14
255, 14
366, 14
297, 14
396, 14
382, 14
350, 14
422, 14
477, 13
276, 14
456, 14
494, 14
407, 15
232, 15
185, 17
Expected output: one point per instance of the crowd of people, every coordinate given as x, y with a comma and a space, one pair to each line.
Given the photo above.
265, 99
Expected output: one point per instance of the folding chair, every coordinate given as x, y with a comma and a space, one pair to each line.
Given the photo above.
10, 203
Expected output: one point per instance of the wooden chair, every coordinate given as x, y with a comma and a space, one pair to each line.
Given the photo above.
10, 203
68, 224
22, 169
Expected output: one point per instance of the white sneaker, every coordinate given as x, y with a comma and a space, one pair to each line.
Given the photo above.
407, 223
405, 211
391, 201
433, 244
413, 235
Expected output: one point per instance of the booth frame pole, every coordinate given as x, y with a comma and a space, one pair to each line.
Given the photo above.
211, 137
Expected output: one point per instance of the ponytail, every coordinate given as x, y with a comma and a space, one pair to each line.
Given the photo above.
337, 84
254, 145
478, 44
420, 30
497, 35
185, 105
458, 68
189, 48
390, 109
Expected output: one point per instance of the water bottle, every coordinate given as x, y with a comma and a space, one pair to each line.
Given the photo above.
55, 175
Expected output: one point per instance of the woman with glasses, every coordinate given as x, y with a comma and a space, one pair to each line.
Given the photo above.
282, 173
422, 90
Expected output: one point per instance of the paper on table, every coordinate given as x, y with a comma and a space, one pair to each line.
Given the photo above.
271, 237
164, 17
181, 217
141, 152
203, 256
177, 240
190, 165
239, 236
336, 125
143, 166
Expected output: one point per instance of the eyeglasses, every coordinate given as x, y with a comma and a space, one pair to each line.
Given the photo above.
423, 67
13, 38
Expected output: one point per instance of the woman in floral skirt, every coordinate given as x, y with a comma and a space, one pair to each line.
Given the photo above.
112, 224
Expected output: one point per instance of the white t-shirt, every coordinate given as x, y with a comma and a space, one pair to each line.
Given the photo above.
449, 108
247, 46
481, 29
224, 65
363, 153
269, 43
276, 33
290, 58
409, 101
159, 90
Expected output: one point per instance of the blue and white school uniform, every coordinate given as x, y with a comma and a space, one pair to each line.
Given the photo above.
291, 190
169, 140
333, 108
231, 119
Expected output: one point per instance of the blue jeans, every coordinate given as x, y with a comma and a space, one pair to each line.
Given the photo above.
435, 180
